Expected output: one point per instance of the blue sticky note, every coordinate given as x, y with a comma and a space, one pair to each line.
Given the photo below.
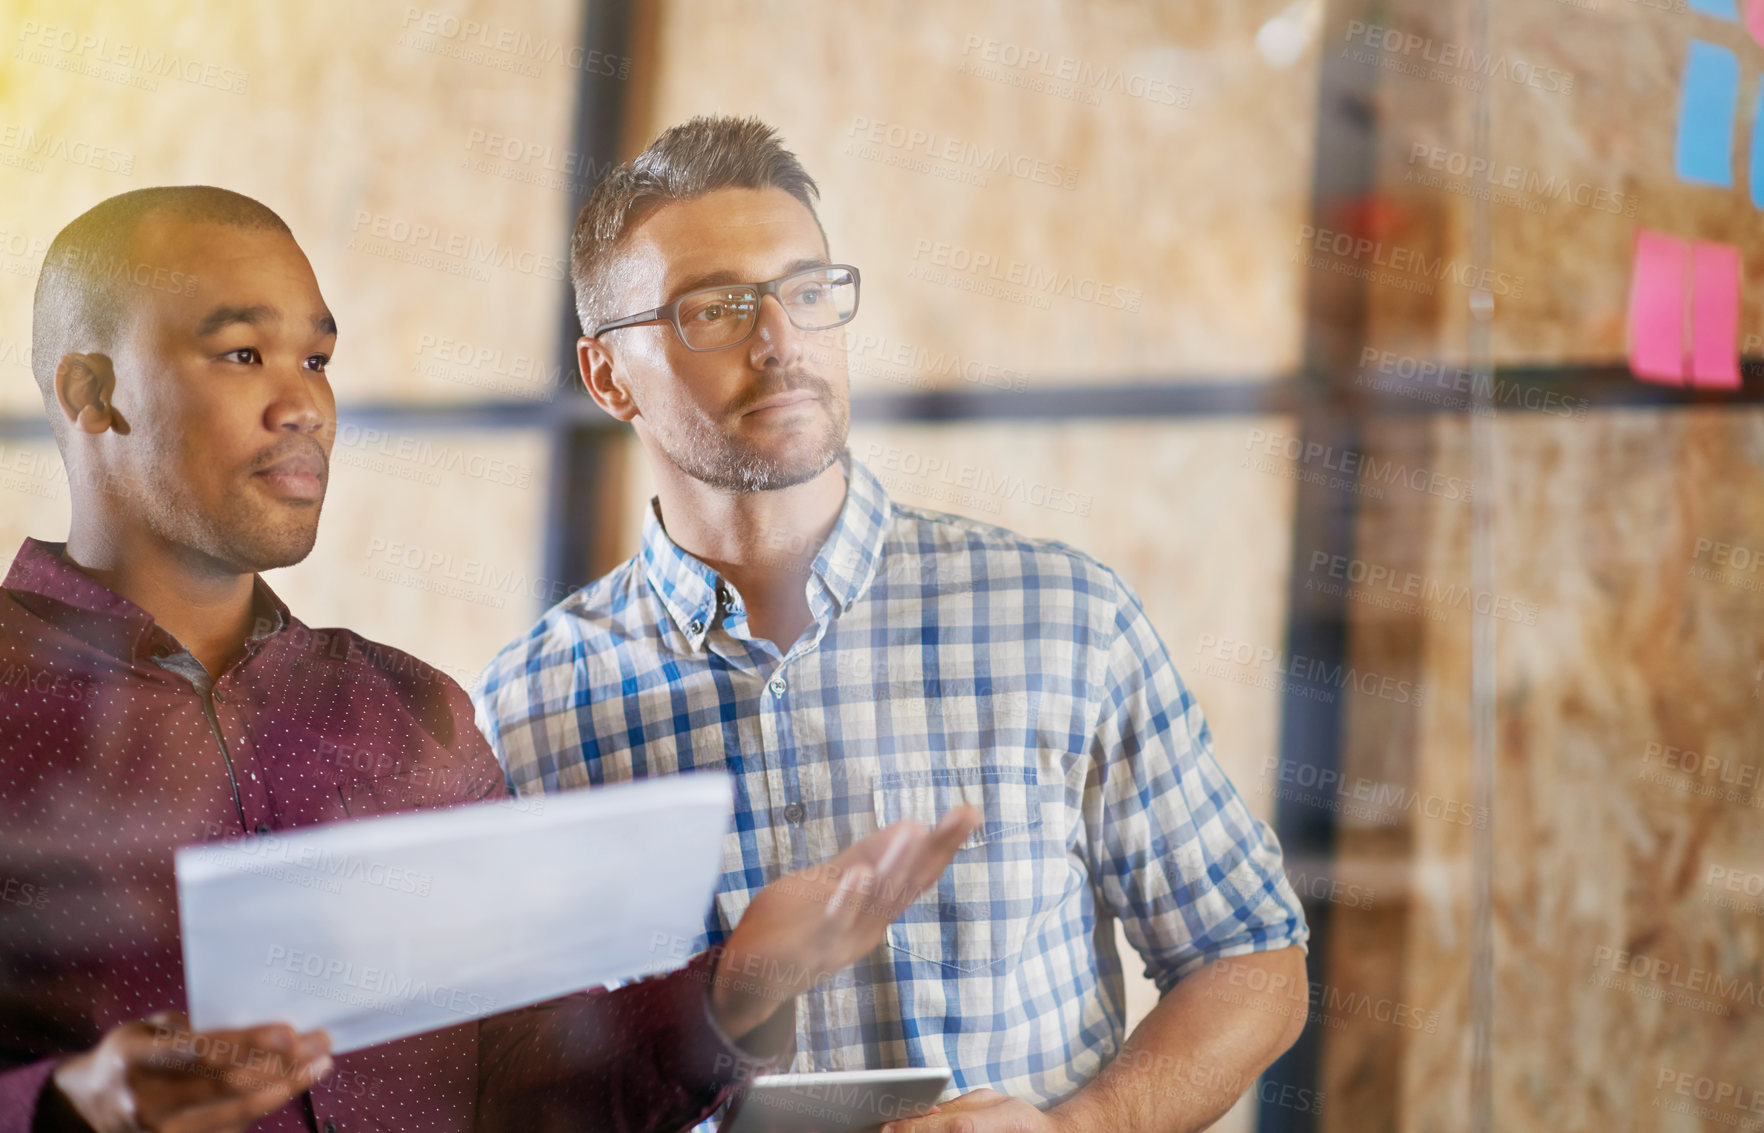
1758, 152
1722, 8
1706, 115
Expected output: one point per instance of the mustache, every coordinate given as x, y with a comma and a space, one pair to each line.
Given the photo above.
783, 383
294, 446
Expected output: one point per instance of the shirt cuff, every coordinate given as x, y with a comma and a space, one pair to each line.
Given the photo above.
21, 1094
719, 1062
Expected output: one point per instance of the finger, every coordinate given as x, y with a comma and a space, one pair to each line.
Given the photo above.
965, 817
234, 1062
944, 839
260, 1068
163, 1036
968, 1102
239, 1111
873, 848
933, 854
941, 1123
168, 1021
275, 1044
948, 1117
261, 1071
902, 848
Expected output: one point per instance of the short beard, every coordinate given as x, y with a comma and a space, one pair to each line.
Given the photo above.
241, 537
719, 461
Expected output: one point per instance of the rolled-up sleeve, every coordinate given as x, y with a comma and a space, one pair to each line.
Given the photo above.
1175, 853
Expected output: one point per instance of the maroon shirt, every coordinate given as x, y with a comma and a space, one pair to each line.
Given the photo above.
113, 752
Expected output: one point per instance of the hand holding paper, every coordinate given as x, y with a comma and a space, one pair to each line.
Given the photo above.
157, 1073
804, 927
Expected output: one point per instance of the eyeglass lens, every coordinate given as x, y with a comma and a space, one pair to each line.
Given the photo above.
814, 300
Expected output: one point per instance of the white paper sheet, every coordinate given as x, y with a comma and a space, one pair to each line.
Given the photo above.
390, 926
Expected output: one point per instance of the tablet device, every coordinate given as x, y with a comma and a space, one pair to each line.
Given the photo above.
856, 1101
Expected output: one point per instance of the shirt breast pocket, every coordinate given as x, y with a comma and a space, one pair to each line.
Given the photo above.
980, 911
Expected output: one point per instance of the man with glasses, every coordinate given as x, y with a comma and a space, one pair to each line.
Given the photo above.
853, 662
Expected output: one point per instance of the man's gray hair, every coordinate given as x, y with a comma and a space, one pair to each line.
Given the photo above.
686, 161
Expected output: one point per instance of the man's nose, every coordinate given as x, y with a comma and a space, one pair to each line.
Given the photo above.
298, 405
775, 338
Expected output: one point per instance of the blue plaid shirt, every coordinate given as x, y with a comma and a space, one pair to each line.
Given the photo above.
949, 661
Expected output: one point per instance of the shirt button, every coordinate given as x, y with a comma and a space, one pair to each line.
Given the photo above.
793, 812
263, 828
777, 686
330, 1126
695, 628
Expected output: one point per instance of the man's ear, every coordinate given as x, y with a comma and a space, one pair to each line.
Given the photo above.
84, 386
595, 359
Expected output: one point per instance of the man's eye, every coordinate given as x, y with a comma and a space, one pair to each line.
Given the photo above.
246, 355
709, 314
317, 363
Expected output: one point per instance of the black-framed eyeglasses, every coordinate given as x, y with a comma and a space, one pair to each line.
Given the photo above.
716, 318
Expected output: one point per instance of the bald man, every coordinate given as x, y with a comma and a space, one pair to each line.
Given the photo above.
168, 697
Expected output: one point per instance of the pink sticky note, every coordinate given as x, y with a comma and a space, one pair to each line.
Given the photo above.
1715, 316
1656, 309
1755, 19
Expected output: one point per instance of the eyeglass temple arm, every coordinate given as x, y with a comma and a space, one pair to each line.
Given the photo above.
649, 316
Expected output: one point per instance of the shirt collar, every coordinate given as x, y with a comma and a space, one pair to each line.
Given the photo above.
689, 589
685, 585
848, 558
44, 580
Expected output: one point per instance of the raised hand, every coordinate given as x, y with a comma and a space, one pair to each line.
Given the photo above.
806, 926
